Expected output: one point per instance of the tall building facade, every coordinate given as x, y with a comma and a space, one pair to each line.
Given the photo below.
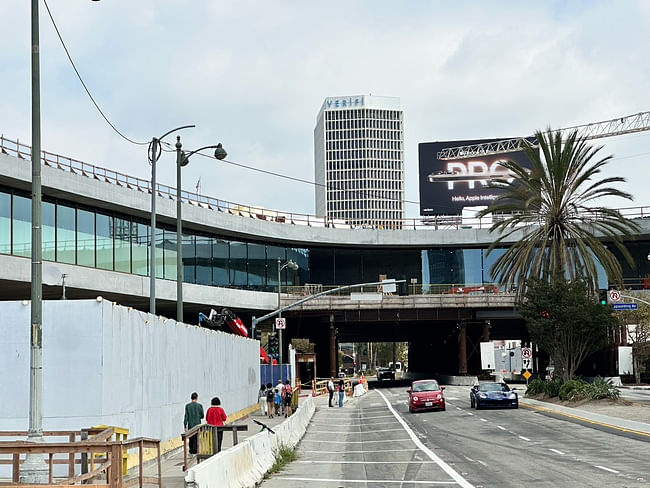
359, 160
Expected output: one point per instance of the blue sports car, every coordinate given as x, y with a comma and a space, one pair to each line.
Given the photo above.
493, 395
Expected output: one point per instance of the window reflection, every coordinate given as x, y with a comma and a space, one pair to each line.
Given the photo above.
65, 234
5, 223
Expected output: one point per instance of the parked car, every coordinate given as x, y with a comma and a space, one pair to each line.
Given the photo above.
426, 395
493, 395
385, 374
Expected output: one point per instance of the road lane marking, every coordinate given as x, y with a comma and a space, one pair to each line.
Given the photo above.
502, 428
524, 438
458, 408
352, 442
445, 467
469, 459
400, 482
348, 432
333, 417
483, 420
482, 462
362, 452
366, 462
623, 429
470, 413
606, 469
556, 451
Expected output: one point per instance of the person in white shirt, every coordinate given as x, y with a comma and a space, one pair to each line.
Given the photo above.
330, 389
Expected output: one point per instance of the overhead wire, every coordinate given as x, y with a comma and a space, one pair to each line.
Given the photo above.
67, 52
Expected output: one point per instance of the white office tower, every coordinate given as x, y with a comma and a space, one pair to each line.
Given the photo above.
359, 161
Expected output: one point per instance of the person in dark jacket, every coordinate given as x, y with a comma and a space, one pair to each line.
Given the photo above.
341, 388
193, 416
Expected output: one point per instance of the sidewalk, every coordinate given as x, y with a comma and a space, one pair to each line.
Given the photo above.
173, 475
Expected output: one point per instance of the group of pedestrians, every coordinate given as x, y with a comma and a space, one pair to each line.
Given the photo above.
276, 400
331, 388
215, 415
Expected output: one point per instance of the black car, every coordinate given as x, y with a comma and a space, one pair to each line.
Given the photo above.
385, 374
486, 395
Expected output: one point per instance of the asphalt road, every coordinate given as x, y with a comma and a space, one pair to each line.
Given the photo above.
373, 441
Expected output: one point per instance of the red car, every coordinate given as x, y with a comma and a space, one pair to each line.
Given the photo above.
426, 395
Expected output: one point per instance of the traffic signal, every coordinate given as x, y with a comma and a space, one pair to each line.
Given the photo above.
257, 335
273, 344
602, 297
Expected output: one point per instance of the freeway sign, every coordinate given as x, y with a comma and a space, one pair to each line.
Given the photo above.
625, 306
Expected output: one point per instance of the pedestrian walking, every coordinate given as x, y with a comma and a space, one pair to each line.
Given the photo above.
330, 389
262, 399
270, 400
193, 416
278, 398
341, 388
287, 394
216, 415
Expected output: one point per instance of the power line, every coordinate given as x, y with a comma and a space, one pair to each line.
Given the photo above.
84, 84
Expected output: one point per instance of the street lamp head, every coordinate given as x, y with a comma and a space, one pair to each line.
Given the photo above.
220, 152
293, 265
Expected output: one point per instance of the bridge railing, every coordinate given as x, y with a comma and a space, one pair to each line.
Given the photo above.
434, 222
412, 288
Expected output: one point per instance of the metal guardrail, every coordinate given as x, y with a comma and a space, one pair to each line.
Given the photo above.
412, 289
207, 443
438, 222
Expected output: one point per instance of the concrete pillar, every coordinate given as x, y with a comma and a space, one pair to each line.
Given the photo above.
485, 336
333, 352
462, 348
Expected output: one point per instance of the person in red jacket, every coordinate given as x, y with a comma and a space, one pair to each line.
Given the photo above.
216, 416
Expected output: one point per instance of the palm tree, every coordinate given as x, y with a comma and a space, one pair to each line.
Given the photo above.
551, 213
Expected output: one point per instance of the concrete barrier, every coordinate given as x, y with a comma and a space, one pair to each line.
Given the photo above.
245, 464
359, 390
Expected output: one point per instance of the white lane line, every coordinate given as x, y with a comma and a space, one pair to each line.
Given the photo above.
483, 420
469, 459
607, 469
483, 463
470, 413
523, 438
365, 462
502, 428
400, 482
352, 442
458, 408
557, 452
348, 432
362, 452
445, 467
333, 417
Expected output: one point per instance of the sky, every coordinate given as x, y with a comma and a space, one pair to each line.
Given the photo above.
254, 74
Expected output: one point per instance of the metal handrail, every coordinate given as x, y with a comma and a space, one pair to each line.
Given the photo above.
437, 222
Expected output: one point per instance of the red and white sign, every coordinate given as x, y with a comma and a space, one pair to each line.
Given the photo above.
526, 352
614, 295
280, 323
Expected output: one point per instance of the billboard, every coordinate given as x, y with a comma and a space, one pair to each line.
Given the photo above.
447, 186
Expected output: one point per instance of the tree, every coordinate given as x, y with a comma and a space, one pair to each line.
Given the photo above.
565, 321
635, 325
553, 206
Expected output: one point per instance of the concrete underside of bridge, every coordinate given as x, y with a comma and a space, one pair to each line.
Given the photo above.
440, 341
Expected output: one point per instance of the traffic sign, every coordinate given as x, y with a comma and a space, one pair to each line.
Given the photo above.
526, 363
527, 374
625, 306
526, 352
280, 323
614, 295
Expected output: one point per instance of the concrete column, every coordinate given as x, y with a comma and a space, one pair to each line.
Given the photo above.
333, 355
485, 336
462, 348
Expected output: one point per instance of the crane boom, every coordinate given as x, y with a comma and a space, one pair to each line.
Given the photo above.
609, 128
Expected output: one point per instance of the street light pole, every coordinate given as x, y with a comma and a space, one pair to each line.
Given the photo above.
154, 155
289, 264
183, 159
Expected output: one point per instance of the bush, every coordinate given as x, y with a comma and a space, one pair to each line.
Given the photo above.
568, 389
599, 389
536, 387
552, 388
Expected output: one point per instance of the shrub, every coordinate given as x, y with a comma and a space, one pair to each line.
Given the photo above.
568, 389
600, 389
552, 388
536, 387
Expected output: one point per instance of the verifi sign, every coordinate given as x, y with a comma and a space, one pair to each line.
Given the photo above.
625, 306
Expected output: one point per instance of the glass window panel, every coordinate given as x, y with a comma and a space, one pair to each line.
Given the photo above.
347, 266
321, 266
273, 253
301, 258
237, 266
5, 222
256, 265
189, 258
123, 245
65, 234
104, 241
85, 238
140, 248
488, 262
48, 236
170, 255
203, 260
22, 226
220, 258
473, 265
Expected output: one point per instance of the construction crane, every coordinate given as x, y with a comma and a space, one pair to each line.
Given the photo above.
609, 128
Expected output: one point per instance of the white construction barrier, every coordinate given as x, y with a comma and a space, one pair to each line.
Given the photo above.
359, 390
245, 464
